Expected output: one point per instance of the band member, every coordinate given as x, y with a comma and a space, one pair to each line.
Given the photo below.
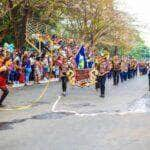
3, 80
149, 79
116, 69
111, 69
64, 78
135, 68
103, 69
143, 68
97, 77
129, 69
124, 70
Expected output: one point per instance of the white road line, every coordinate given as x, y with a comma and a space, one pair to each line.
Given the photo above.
63, 111
86, 114
54, 105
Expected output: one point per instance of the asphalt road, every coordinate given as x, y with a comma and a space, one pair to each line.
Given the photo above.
80, 121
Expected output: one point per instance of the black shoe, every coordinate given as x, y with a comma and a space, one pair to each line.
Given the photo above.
1, 105
102, 95
64, 94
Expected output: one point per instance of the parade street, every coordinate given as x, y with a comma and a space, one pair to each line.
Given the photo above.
80, 121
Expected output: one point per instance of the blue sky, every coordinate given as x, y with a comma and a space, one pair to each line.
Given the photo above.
140, 10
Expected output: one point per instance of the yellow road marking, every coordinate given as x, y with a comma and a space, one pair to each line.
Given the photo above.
30, 105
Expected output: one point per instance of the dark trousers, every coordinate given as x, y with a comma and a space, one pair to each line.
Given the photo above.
14, 76
149, 80
64, 83
143, 70
116, 77
102, 81
97, 83
135, 72
110, 75
132, 73
129, 73
123, 76
4, 94
32, 77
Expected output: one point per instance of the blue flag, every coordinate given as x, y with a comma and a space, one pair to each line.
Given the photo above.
80, 59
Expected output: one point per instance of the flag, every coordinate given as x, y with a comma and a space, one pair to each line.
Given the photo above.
81, 60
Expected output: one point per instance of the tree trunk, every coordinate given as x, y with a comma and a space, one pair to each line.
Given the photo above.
92, 40
19, 22
24, 24
3, 34
13, 15
116, 50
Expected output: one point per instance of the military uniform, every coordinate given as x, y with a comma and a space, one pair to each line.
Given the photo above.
135, 68
97, 78
132, 68
103, 69
111, 70
64, 78
116, 70
149, 79
124, 70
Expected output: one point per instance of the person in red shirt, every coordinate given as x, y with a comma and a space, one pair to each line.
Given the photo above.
3, 80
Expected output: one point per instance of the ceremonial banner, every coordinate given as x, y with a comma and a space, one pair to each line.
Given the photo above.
82, 74
82, 77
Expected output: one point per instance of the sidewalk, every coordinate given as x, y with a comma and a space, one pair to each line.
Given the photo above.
32, 82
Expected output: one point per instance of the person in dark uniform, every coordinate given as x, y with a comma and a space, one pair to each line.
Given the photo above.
97, 77
135, 68
116, 69
123, 70
3, 80
64, 78
149, 79
103, 70
97, 83
111, 70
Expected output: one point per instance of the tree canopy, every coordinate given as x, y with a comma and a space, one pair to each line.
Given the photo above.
93, 22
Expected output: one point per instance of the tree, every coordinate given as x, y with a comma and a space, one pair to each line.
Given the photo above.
94, 22
140, 51
19, 12
98, 22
